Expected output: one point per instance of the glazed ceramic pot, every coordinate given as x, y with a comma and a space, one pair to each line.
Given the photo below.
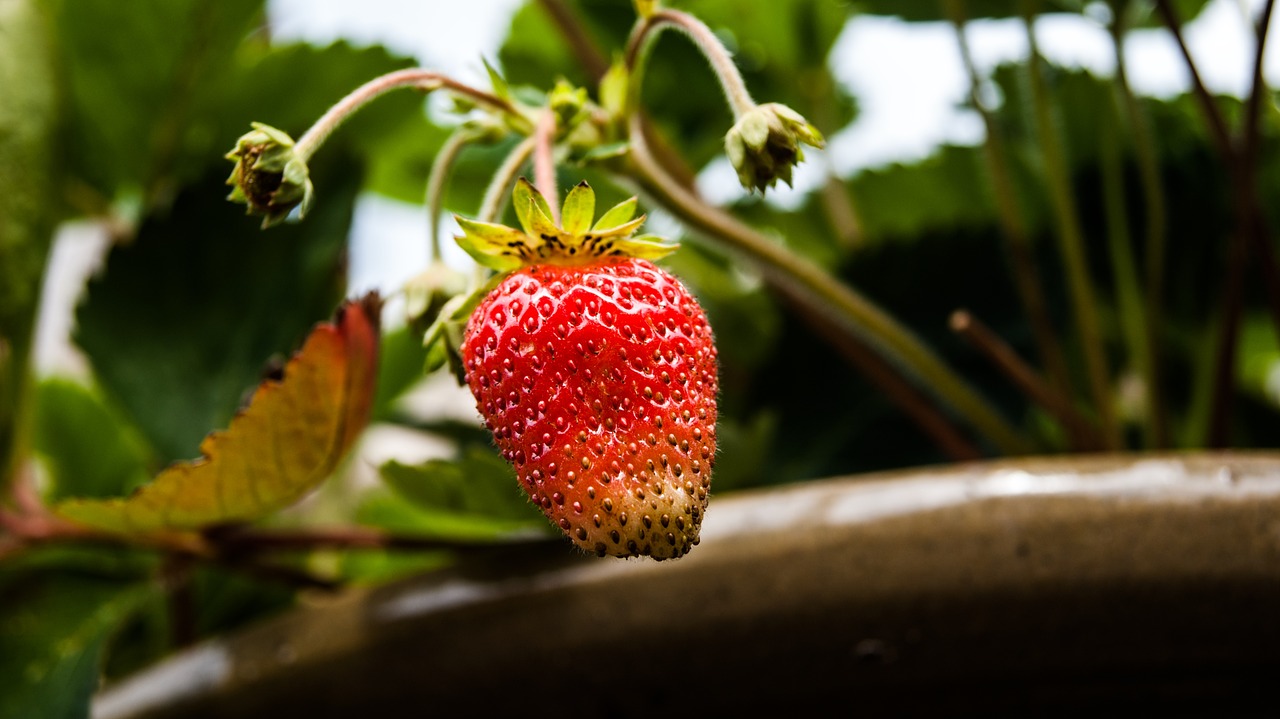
1099, 584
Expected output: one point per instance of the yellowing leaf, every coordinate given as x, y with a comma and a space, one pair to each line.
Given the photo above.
289, 439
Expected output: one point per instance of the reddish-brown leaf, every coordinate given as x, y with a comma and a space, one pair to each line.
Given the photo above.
289, 439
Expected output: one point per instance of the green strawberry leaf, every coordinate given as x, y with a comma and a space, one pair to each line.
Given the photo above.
56, 626
165, 61
478, 488
88, 448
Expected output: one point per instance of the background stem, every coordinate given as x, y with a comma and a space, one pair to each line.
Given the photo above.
440, 166
1250, 235
1124, 272
1070, 236
1026, 275
1154, 201
1024, 377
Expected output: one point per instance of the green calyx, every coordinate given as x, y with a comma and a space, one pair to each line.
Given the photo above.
765, 144
270, 177
575, 241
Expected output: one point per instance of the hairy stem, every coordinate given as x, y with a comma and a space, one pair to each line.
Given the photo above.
821, 295
440, 167
647, 30
1253, 106
496, 194
418, 79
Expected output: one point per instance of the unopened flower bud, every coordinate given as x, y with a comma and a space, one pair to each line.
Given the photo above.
270, 177
765, 144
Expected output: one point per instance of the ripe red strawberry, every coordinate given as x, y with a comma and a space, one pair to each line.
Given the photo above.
596, 373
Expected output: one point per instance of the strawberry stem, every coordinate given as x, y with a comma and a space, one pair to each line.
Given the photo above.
812, 288
418, 79
647, 30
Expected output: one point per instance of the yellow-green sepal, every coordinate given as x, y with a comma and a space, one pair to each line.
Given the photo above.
532, 209
495, 246
579, 209
646, 247
619, 214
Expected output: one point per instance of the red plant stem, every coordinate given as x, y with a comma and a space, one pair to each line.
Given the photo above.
1250, 234
1253, 106
181, 603
1217, 124
544, 163
1025, 378
1249, 144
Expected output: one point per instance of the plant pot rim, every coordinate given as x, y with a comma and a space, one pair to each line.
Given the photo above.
1066, 581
